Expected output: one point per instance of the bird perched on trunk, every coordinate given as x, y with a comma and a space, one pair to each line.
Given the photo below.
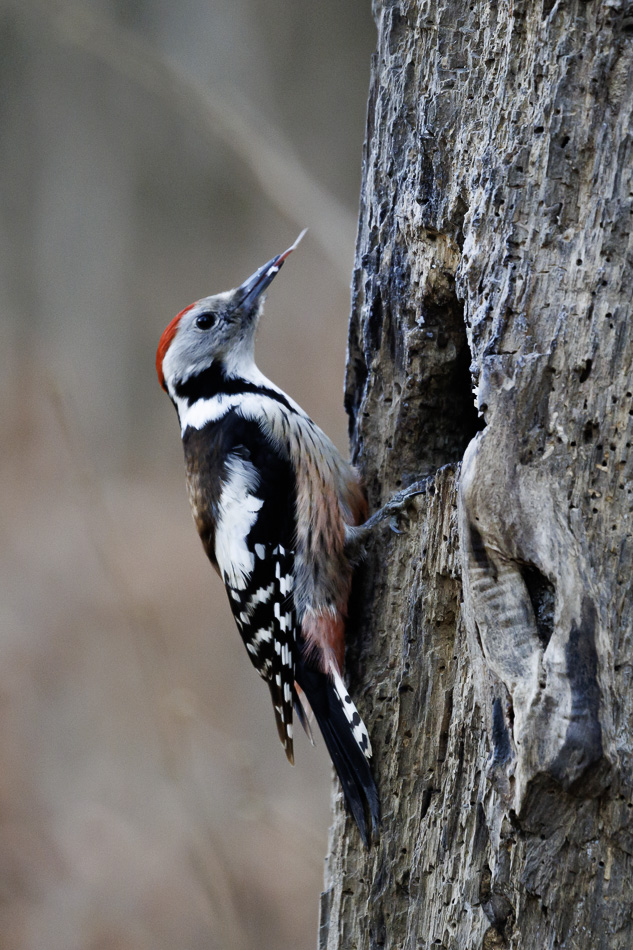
276, 507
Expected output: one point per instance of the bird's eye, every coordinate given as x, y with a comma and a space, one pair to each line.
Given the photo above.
205, 321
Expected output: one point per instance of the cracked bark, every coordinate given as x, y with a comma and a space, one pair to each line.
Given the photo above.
490, 643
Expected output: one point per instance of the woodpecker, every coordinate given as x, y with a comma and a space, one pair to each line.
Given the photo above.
277, 508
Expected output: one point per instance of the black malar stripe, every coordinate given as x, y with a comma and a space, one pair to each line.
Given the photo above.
214, 382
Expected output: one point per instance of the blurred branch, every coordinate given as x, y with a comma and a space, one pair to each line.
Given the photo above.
298, 835
221, 889
142, 616
264, 149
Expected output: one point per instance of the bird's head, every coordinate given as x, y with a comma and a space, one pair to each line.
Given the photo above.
216, 329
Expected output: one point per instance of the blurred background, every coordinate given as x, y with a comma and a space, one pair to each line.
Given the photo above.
152, 153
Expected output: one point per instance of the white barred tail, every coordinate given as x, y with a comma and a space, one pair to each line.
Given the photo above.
359, 729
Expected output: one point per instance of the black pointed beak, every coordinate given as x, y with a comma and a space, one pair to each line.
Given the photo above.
251, 289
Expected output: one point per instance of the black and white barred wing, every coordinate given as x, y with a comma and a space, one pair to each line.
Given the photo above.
258, 575
265, 618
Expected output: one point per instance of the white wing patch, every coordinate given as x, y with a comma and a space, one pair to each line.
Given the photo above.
255, 406
196, 415
238, 508
352, 715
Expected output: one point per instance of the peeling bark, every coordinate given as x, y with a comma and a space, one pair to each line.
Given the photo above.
490, 642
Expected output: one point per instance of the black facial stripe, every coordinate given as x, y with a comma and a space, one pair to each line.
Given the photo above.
214, 382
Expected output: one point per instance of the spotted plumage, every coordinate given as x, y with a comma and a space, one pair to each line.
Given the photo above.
273, 502
265, 617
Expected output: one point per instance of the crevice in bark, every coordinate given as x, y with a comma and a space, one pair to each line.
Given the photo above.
542, 595
502, 749
408, 319
449, 419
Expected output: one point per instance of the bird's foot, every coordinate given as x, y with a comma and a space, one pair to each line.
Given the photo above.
391, 511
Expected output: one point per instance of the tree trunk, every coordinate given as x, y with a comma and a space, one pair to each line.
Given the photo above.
490, 642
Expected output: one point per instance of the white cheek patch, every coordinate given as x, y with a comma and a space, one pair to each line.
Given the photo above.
238, 508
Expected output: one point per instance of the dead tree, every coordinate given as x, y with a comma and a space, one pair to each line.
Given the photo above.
491, 640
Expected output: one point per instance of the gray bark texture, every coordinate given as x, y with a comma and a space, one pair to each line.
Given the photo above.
490, 642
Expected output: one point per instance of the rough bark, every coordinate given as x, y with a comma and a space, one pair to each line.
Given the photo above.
491, 641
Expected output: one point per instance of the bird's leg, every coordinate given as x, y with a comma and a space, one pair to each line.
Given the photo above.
356, 537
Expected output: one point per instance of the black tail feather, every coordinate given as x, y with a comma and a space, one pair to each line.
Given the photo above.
347, 757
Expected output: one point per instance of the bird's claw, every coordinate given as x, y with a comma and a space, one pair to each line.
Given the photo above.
393, 509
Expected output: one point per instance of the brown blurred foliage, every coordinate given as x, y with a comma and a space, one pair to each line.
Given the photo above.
144, 799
